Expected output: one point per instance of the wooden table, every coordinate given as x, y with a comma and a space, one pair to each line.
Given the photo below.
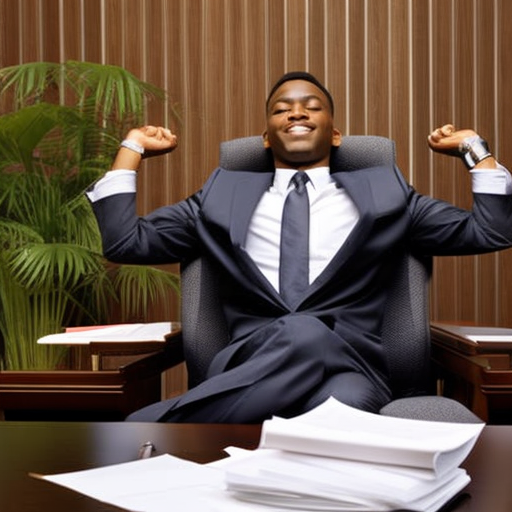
477, 374
125, 377
59, 447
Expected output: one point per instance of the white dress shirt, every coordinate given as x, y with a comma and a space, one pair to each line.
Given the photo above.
333, 214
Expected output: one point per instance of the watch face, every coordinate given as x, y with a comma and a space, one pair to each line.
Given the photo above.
473, 150
467, 144
464, 147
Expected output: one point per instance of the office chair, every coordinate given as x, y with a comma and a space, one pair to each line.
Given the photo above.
406, 332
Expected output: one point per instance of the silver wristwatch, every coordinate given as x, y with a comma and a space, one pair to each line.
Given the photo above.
473, 150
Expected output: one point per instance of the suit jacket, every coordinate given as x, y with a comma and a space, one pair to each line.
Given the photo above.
346, 301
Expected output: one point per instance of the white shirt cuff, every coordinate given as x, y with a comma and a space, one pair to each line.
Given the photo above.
114, 182
492, 181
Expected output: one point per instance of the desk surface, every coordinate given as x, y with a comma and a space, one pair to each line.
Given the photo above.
59, 447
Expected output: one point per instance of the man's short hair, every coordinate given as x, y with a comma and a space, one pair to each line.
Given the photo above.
301, 75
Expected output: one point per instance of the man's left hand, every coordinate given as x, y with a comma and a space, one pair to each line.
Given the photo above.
447, 140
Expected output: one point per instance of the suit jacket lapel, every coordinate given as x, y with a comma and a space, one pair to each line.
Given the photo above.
247, 194
374, 196
358, 188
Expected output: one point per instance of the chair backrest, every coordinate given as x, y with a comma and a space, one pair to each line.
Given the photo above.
405, 335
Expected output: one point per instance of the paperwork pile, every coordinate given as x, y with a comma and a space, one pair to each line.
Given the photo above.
332, 458
339, 458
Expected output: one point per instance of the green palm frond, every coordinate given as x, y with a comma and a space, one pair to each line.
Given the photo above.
15, 234
139, 286
21, 132
112, 89
29, 82
47, 267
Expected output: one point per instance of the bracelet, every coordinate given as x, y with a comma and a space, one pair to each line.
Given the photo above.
130, 144
473, 150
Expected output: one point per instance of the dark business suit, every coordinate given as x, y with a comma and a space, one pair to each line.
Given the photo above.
284, 360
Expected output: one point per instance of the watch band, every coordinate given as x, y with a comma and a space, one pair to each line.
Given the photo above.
473, 150
130, 144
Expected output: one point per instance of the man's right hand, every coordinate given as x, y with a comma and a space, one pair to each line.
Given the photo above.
155, 140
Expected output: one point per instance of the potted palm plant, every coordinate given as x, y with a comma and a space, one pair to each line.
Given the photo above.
59, 130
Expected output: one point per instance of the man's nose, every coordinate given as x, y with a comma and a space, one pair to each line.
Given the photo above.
297, 110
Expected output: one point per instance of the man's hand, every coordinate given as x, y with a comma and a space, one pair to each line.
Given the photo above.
447, 140
155, 140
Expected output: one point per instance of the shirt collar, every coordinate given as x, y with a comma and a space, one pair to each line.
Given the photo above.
319, 176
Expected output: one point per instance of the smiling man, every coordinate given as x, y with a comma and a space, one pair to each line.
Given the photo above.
300, 127
307, 326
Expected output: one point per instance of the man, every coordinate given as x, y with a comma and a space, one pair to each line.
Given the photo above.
287, 355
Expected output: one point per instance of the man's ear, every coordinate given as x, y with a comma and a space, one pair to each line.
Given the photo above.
336, 138
266, 143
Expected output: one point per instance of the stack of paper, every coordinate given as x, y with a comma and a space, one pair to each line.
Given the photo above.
334, 458
153, 331
339, 458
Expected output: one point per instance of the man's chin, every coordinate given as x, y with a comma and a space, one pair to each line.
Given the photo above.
299, 161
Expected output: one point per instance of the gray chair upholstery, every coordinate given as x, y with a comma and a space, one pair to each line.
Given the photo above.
406, 333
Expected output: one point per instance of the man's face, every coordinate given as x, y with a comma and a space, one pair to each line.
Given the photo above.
300, 127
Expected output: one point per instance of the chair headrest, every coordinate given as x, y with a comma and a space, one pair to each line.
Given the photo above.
355, 152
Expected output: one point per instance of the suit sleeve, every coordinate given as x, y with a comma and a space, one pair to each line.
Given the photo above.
167, 235
439, 228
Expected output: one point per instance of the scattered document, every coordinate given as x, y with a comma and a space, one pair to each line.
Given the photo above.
487, 338
334, 458
155, 331
156, 484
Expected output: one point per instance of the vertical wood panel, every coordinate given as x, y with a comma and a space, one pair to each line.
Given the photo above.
397, 68
10, 48
419, 119
71, 29
93, 30
114, 19
356, 67
336, 60
503, 119
377, 68
464, 115
50, 39
30, 30
446, 294
486, 269
316, 52
296, 32
399, 84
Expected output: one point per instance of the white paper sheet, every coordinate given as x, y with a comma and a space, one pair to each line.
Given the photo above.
157, 484
153, 331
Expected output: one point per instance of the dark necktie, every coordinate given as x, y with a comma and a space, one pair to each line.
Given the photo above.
294, 259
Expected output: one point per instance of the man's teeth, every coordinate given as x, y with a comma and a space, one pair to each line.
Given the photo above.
299, 129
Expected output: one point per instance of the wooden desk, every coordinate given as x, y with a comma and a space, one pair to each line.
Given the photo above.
59, 447
477, 374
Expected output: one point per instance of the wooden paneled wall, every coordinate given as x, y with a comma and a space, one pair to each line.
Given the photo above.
396, 68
